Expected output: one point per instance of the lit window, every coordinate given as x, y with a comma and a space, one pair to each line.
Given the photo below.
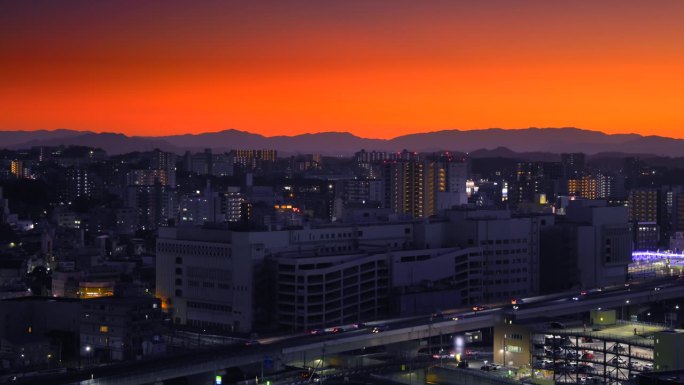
104, 329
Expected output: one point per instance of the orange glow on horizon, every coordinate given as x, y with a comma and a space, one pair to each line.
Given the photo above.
368, 68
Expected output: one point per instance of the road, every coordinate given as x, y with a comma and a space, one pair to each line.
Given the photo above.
199, 361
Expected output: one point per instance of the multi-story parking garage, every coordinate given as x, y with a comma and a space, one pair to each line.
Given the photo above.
604, 351
610, 356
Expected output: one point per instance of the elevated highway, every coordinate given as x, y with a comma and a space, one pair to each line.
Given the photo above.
400, 331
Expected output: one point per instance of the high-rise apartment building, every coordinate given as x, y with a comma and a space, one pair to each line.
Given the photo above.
422, 188
573, 164
647, 215
162, 160
17, 169
585, 187
407, 186
148, 177
254, 159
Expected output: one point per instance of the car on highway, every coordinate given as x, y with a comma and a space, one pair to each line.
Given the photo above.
479, 308
443, 355
304, 374
316, 332
359, 325
252, 343
380, 328
436, 315
517, 301
490, 367
337, 330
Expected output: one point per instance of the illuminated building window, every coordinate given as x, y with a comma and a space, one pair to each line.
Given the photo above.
104, 329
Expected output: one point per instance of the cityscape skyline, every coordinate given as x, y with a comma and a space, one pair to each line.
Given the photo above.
357, 192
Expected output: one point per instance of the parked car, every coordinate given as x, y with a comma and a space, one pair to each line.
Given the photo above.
587, 356
546, 364
564, 368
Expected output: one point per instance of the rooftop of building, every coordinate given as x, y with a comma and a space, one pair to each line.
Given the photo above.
627, 332
42, 299
121, 300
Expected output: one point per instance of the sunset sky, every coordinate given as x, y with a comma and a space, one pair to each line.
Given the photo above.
373, 68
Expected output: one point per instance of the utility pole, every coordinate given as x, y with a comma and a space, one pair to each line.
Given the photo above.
441, 349
504, 350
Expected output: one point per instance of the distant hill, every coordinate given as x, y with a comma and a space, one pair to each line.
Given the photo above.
536, 141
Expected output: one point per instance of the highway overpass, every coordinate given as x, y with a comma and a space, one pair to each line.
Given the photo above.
295, 348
